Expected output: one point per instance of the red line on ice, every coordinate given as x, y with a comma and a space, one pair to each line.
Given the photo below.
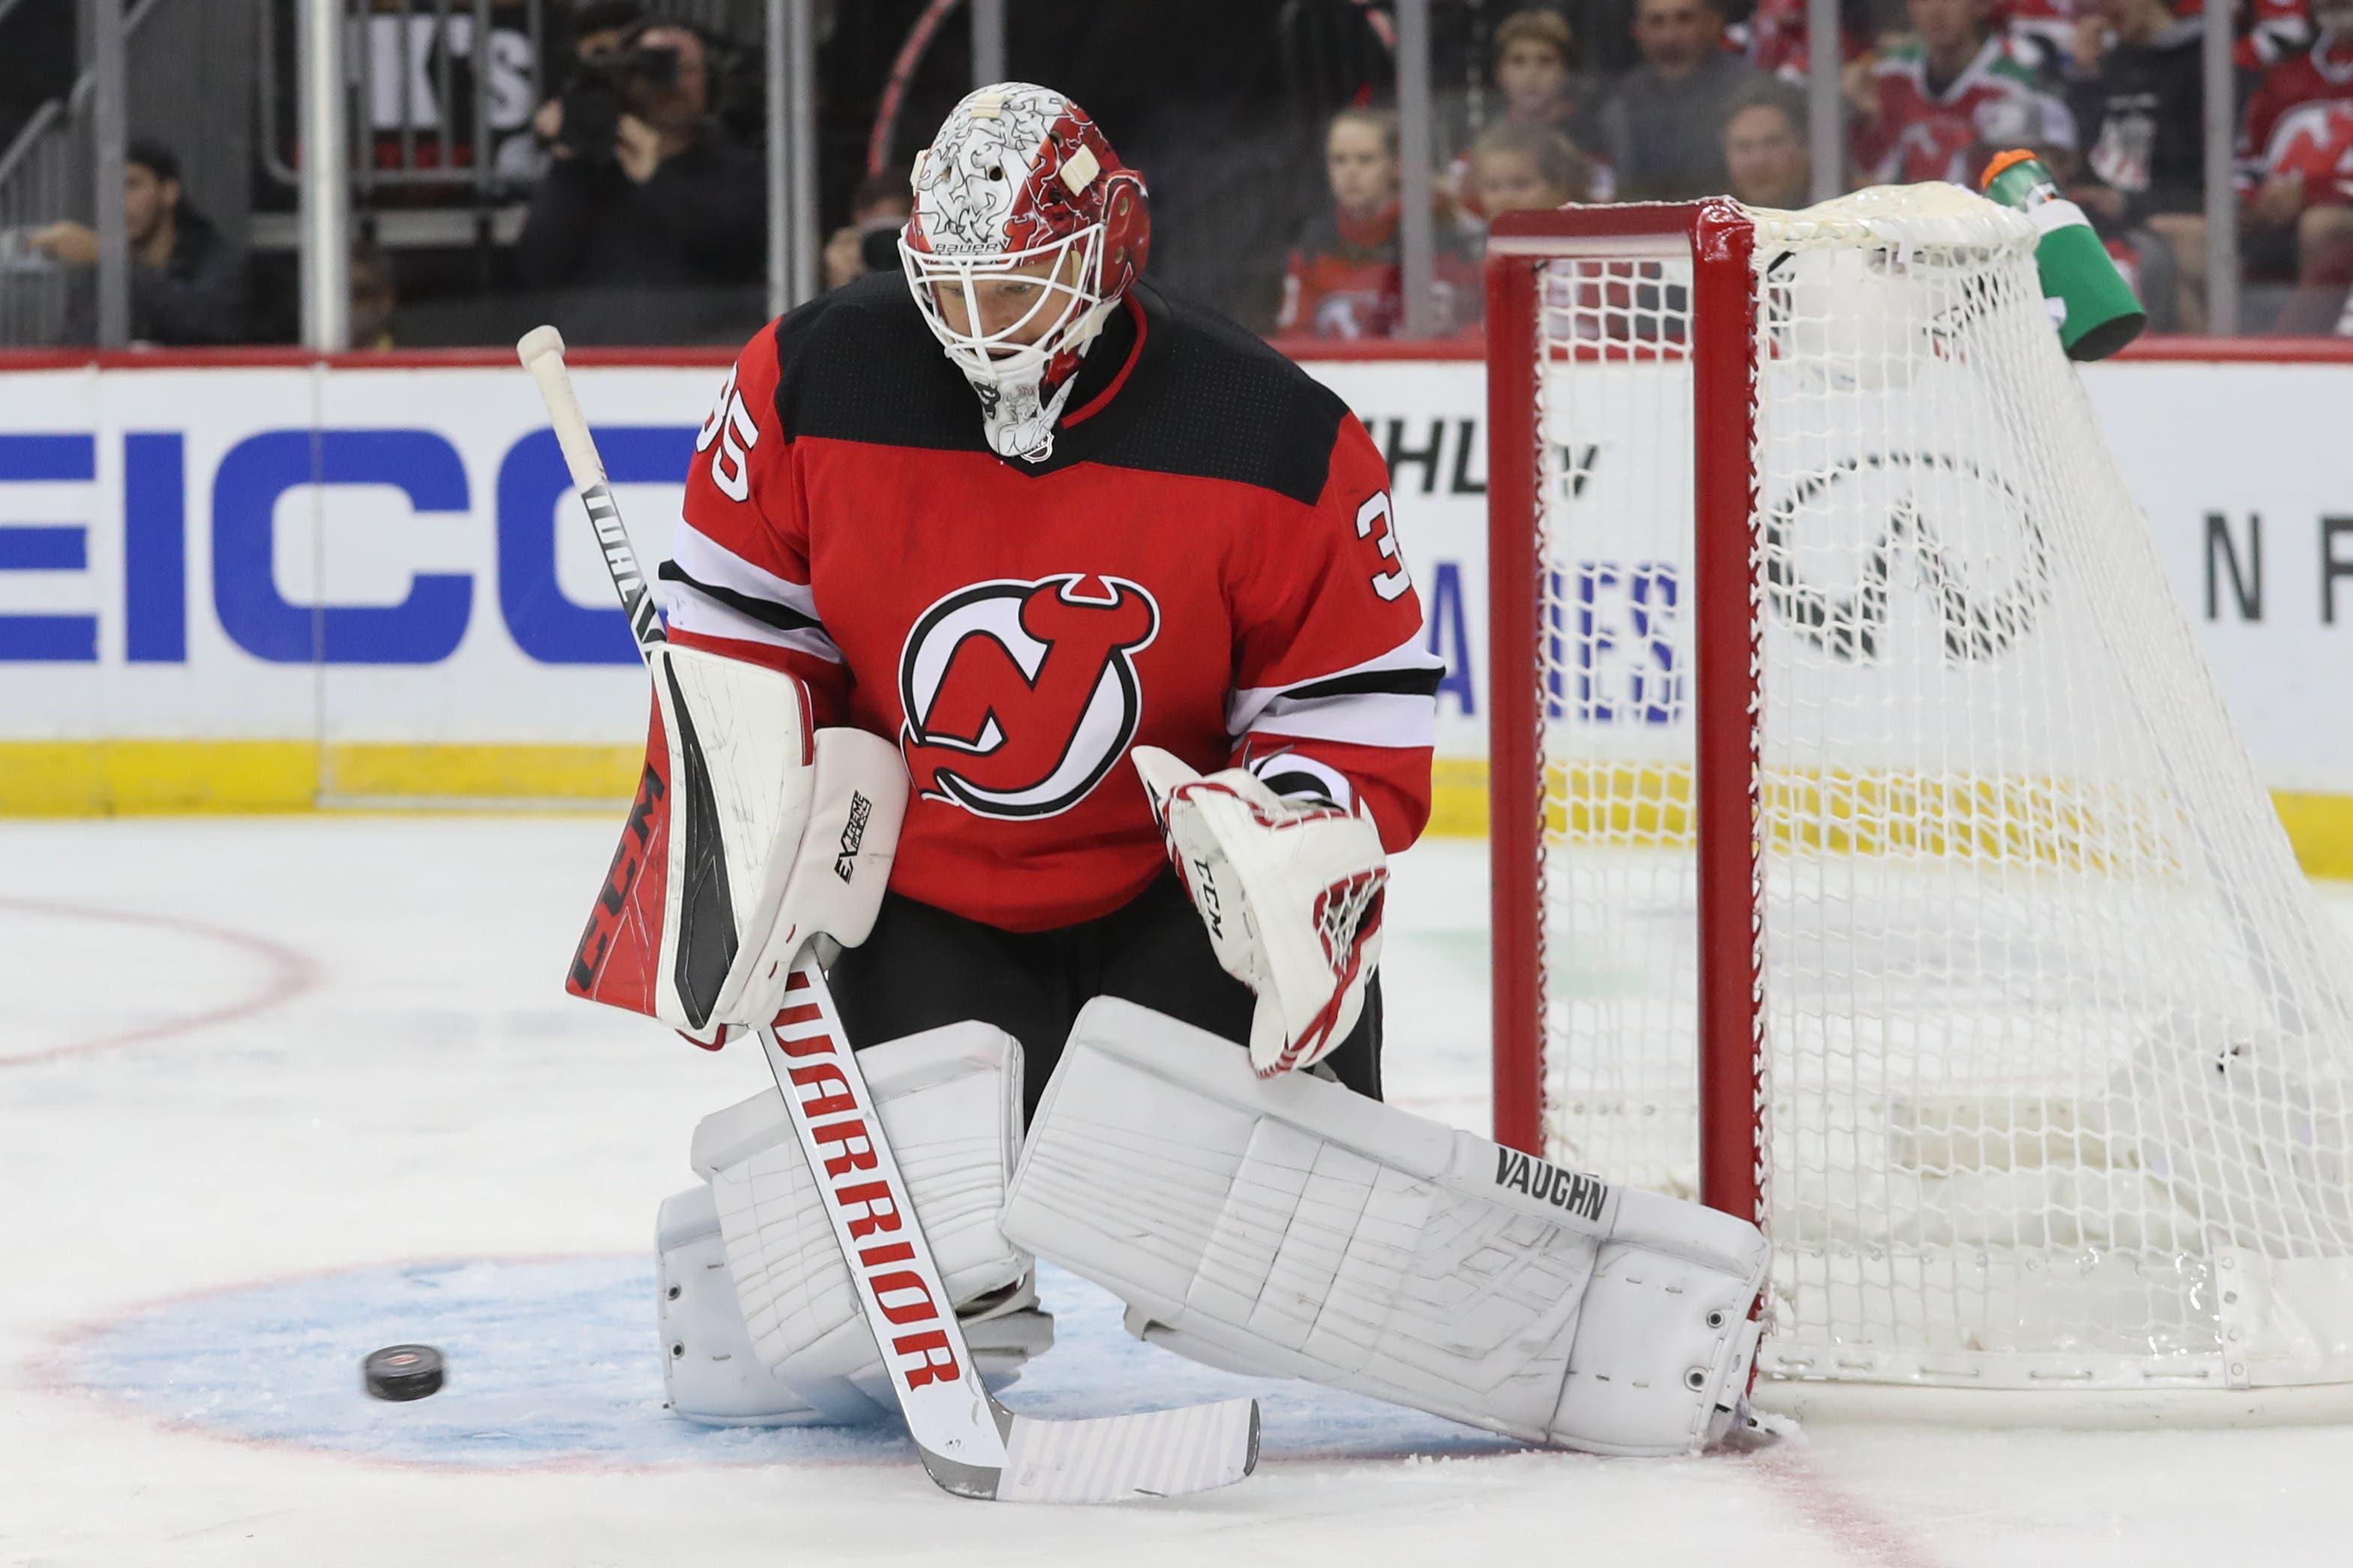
291, 973
1863, 1534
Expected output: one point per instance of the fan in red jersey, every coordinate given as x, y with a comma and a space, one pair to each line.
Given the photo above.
1122, 587
2296, 157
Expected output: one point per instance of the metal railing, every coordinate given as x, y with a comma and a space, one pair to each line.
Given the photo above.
41, 179
410, 69
177, 73
439, 97
437, 90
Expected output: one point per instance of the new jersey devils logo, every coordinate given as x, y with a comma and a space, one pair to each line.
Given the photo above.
1020, 697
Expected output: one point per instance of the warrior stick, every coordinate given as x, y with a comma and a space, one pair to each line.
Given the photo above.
971, 1445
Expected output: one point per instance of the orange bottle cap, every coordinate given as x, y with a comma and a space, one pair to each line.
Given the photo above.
2003, 161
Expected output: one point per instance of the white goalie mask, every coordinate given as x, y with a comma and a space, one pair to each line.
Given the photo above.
1026, 232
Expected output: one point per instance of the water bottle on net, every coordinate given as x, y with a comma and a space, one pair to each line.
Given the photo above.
2092, 305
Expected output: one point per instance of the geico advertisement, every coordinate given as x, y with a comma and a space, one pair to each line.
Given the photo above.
357, 554
395, 554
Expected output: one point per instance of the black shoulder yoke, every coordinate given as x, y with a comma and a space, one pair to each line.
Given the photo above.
1204, 398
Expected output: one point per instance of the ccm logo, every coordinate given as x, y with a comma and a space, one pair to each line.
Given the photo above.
1205, 885
620, 881
845, 865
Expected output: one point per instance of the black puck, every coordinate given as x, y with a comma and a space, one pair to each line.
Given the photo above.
401, 1371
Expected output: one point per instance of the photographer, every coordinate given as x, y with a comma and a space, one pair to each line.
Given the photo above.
869, 242
644, 188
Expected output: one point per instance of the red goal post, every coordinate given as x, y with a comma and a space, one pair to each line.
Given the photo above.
1717, 239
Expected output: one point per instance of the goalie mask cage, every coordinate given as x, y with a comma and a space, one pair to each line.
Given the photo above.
1873, 853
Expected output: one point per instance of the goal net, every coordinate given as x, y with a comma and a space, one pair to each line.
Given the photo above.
1873, 851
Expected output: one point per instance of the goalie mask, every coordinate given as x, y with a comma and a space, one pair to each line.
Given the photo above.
1026, 232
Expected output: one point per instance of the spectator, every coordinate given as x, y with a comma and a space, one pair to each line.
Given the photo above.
1765, 156
1533, 64
2135, 77
2040, 31
1536, 73
643, 188
2267, 31
1664, 132
2143, 257
374, 298
189, 284
1344, 279
603, 26
1775, 35
869, 242
1917, 105
2297, 140
1517, 166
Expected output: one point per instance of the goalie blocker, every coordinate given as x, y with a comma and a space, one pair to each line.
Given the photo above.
1287, 1227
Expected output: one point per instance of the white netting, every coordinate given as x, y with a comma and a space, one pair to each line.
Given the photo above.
2056, 1038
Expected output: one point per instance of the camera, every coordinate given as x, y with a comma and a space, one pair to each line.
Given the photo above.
605, 87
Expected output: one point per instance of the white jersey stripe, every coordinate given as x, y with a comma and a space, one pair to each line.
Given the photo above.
1361, 719
705, 560
698, 613
1410, 662
1408, 658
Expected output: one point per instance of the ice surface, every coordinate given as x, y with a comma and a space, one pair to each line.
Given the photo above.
273, 1093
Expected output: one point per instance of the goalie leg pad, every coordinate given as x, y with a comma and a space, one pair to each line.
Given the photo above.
949, 1101
1288, 1226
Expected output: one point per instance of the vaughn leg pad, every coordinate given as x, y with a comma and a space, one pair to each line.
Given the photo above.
1289, 1226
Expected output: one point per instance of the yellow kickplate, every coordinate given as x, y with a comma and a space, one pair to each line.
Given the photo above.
376, 771
103, 778
99, 778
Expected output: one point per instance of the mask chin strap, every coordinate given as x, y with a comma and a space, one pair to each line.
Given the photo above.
1017, 413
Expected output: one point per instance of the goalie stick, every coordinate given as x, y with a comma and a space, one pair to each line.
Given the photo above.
971, 1445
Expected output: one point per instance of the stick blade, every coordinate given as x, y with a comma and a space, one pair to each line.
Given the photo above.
1155, 1453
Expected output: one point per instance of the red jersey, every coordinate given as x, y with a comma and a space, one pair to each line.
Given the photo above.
1344, 279
2266, 30
2301, 122
1922, 133
1775, 37
1207, 562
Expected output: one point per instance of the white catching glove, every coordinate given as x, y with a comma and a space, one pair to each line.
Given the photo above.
1290, 892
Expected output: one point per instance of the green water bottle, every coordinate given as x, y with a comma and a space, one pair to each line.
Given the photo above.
2092, 305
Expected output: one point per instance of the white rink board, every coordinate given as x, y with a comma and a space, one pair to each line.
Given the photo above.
438, 588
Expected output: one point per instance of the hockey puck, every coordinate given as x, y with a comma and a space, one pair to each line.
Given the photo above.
401, 1371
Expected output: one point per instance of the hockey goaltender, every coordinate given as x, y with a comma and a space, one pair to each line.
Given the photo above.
1122, 586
